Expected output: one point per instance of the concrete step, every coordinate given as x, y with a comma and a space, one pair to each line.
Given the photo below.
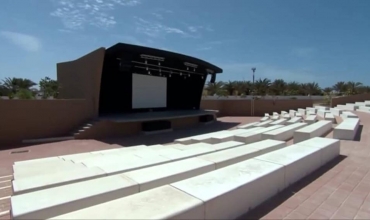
47, 140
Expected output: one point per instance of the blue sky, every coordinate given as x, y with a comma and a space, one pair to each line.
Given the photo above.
316, 40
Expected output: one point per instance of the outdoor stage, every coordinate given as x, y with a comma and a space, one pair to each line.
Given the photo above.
118, 125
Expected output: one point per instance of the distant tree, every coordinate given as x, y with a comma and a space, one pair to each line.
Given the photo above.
14, 85
49, 87
24, 94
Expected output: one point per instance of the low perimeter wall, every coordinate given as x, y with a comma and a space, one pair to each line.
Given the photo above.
349, 99
243, 107
28, 119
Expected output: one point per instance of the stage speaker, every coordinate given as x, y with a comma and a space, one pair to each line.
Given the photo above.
213, 78
206, 118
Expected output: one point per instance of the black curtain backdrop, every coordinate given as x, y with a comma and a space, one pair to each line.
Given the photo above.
116, 84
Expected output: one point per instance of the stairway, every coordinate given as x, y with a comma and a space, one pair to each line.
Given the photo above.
83, 128
71, 136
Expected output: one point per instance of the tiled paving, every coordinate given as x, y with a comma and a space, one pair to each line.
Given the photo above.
340, 190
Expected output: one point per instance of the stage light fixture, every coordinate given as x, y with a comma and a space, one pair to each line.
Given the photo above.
159, 63
180, 73
146, 62
189, 75
149, 72
187, 68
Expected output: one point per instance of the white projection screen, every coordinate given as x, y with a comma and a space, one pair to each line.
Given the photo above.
149, 91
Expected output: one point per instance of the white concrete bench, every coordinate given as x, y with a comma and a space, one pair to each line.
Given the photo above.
54, 179
298, 115
254, 136
367, 102
292, 113
245, 185
279, 122
322, 113
264, 119
51, 167
275, 117
55, 202
283, 113
59, 200
313, 130
322, 108
145, 205
275, 113
351, 105
309, 112
267, 115
283, 134
188, 140
201, 197
244, 152
310, 119
302, 111
298, 161
40, 161
294, 120
286, 116
311, 109
363, 104
336, 111
347, 114
264, 124
206, 138
330, 117
347, 129
364, 108
249, 125
330, 148
226, 145
230, 136
346, 107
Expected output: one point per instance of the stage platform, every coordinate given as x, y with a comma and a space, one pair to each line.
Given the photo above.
119, 125
156, 116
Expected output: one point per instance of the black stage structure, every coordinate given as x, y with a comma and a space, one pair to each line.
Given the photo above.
185, 80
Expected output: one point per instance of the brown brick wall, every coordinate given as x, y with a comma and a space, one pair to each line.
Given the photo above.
349, 99
28, 119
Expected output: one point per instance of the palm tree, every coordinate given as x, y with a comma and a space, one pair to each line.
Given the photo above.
278, 87
293, 88
352, 87
230, 87
340, 87
327, 90
13, 85
243, 87
214, 88
311, 89
261, 86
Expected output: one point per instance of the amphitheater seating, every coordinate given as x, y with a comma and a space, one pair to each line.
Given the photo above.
266, 118
292, 113
275, 117
294, 120
347, 107
347, 129
283, 134
322, 108
264, 124
347, 114
313, 130
283, 113
310, 119
247, 126
281, 121
230, 136
302, 111
298, 115
322, 112
245, 185
310, 109
336, 111
330, 117
54, 201
254, 136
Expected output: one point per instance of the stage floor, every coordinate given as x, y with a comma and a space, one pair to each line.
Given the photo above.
154, 116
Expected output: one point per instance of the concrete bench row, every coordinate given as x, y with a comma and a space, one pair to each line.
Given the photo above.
67, 198
226, 193
115, 164
347, 129
317, 129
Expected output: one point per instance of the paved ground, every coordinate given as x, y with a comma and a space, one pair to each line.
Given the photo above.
340, 190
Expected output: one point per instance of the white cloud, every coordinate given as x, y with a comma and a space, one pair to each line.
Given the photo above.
243, 71
198, 28
156, 29
157, 15
24, 41
77, 14
204, 48
303, 52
